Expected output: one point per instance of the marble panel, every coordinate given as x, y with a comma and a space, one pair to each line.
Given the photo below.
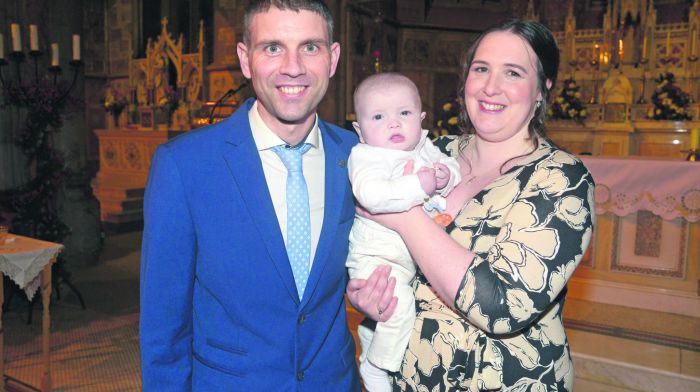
633, 352
630, 377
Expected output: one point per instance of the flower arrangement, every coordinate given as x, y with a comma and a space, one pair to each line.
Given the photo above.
169, 100
669, 101
115, 101
447, 119
568, 105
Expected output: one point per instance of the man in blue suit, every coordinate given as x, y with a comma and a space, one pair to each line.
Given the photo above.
222, 309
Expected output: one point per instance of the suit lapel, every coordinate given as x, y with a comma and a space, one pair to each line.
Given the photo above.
245, 167
336, 179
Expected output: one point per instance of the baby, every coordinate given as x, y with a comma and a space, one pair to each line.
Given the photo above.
389, 117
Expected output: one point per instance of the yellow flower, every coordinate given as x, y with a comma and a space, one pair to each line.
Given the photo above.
452, 120
439, 124
446, 107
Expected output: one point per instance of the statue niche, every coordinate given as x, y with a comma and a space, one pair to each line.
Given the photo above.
616, 96
167, 86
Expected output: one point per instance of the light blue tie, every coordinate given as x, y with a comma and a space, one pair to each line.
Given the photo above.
298, 214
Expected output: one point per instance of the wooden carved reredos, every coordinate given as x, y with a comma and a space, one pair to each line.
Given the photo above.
168, 74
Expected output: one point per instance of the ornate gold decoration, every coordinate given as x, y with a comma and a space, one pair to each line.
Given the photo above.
149, 79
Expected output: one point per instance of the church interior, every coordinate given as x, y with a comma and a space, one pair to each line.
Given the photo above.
91, 88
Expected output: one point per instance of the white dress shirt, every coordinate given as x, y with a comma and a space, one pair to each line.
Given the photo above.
314, 169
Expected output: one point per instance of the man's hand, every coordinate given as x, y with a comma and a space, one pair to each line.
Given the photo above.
374, 296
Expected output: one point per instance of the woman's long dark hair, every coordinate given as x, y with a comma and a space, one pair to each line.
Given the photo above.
542, 42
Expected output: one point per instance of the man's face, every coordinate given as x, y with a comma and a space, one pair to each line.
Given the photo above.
289, 59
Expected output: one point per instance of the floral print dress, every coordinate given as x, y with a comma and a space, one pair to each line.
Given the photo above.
529, 229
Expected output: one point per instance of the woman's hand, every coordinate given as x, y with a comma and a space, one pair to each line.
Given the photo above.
374, 296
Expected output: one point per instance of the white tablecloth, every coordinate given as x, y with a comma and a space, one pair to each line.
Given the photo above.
667, 188
22, 259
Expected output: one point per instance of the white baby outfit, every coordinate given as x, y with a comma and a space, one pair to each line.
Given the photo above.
379, 186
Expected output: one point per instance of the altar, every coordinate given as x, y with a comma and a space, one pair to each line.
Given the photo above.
645, 251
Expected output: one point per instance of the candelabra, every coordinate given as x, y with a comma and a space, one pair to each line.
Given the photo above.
18, 58
594, 96
643, 61
35, 204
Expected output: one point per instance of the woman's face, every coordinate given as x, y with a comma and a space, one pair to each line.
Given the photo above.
502, 87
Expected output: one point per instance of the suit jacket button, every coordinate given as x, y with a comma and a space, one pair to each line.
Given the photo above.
300, 376
301, 319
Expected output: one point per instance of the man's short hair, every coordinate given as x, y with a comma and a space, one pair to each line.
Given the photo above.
259, 6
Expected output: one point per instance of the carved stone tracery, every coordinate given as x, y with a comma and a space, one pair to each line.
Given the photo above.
150, 78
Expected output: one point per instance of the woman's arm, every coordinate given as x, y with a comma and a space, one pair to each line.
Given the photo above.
442, 260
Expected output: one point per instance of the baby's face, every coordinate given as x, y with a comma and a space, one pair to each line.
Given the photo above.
389, 116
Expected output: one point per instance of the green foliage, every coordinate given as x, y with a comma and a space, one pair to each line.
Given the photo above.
32, 208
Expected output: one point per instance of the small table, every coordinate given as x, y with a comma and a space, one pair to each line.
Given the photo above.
27, 261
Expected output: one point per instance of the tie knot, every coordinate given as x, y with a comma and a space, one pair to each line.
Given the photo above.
291, 156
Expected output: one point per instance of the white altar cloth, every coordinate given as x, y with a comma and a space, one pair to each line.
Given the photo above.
22, 259
667, 188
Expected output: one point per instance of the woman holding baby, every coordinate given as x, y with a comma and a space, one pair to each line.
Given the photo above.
491, 285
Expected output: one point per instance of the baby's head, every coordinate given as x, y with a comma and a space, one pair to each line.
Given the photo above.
388, 110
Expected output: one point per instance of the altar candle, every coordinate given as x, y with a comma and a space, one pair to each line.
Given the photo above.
76, 47
644, 47
694, 138
668, 44
33, 38
54, 54
2, 47
16, 38
620, 50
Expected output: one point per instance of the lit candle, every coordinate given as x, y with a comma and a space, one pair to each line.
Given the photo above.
644, 47
620, 49
668, 44
2, 47
76, 47
54, 54
16, 38
694, 138
596, 52
33, 38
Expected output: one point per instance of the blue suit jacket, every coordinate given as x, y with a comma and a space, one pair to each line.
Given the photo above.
219, 308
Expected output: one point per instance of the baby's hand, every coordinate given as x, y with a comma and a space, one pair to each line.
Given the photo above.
426, 177
442, 175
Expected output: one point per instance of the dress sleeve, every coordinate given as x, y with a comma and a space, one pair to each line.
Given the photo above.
532, 242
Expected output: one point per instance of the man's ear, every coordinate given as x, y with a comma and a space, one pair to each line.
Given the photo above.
356, 126
335, 56
422, 116
243, 59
